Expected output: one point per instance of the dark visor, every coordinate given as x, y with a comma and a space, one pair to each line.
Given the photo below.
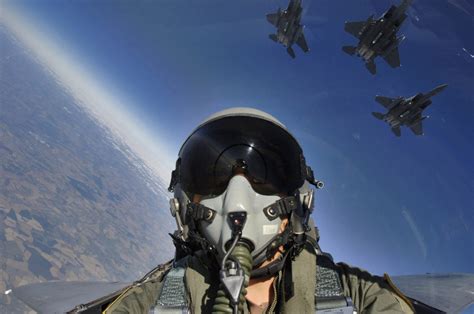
266, 154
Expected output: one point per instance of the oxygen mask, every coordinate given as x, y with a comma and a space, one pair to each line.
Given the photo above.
239, 197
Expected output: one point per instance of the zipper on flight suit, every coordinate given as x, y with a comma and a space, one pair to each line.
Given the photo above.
272, 307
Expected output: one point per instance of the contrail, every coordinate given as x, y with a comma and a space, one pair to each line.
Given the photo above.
416, 232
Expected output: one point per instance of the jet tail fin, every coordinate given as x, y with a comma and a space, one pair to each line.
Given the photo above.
350, 50
396, 130
291, 52
371, 67
385, 101
274, 17
393, 58
273, 37
355, 28
378, 115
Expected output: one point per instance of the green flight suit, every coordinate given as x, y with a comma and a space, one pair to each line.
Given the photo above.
370, 294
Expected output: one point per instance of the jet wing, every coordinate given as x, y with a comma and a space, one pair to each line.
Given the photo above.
393, 58
354, 28
302, 43
417, 128
62, 297
426, 104
273, 18
449, 293
385, 101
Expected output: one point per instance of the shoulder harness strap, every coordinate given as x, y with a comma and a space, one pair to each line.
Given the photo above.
329, 295
173, 296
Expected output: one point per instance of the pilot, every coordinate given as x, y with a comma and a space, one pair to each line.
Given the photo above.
245, 241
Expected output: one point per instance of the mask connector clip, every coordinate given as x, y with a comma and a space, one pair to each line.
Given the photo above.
237, 221
232, 275
232, 278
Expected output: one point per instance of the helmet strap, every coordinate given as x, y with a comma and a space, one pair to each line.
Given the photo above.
175, 174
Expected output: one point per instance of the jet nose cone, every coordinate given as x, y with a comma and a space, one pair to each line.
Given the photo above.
441, 87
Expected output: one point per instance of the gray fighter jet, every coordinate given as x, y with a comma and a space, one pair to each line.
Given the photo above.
406, 111
289, 29
378, 37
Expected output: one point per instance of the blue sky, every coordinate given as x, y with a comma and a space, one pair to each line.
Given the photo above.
398, 205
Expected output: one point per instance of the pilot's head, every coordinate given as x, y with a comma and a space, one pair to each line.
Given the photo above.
241, 168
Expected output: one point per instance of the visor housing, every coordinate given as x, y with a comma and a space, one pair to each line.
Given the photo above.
273, 159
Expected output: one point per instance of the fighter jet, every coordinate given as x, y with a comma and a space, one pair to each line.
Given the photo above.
289, 29
378, 37
406, 111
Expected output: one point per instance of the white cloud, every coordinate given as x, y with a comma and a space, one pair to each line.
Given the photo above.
100, 102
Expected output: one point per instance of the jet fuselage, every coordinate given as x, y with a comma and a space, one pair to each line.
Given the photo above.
379, 37
406, 111
289, 30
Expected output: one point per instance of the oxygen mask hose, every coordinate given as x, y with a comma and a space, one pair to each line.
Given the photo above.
235, 271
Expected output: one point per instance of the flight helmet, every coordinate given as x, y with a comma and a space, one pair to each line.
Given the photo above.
241, 160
